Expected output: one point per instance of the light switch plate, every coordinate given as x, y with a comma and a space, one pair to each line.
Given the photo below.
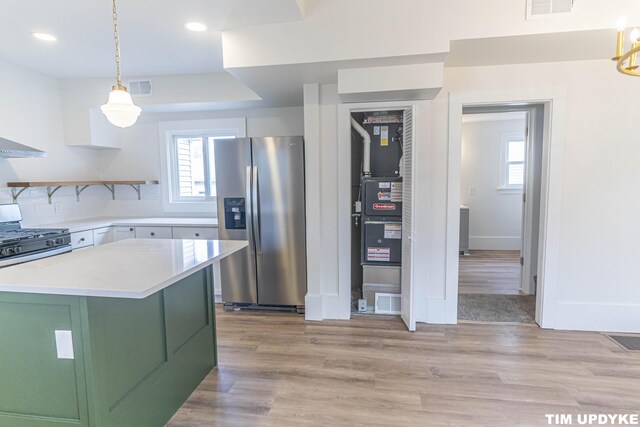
64, 344
472, 190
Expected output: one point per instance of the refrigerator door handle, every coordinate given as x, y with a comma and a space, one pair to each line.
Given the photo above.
249, 208
255, 209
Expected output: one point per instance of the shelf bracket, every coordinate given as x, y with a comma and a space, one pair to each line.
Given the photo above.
15, 193
136, 187
79, 190
51, 192
112, 189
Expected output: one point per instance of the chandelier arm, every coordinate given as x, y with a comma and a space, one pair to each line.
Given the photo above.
620, 65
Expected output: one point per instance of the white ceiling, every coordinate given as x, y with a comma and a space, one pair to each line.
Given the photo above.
153, 39
154, 42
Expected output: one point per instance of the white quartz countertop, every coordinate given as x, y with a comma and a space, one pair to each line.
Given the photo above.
99, 222
131, 268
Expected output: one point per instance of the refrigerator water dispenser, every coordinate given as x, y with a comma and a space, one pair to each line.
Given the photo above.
234, 215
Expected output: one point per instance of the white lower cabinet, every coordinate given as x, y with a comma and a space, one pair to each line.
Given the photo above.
122, 232
102, 235
153, 233
81, 239
210, 233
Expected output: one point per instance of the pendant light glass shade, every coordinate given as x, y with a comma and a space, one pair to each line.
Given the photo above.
120, 109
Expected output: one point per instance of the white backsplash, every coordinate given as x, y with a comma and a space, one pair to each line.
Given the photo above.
95, 201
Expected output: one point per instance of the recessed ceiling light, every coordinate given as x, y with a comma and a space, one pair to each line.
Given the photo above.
45, 37
195, 26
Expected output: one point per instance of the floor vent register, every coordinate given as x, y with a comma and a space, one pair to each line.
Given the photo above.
629, 343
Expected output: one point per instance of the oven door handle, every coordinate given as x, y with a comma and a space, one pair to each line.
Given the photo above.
31, 257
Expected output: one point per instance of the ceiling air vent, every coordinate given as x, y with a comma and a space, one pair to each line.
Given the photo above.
139, 87
537, 9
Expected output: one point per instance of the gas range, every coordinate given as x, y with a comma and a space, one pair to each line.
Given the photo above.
18, 245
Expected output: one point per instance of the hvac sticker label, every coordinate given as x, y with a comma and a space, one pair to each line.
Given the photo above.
384, 206
393, 231
386, 195
379, 254
384, 136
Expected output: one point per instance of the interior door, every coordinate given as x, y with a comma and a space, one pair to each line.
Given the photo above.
280, 220
525, 232
531, 208
406, 280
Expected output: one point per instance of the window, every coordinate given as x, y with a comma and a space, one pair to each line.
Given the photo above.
188, 162
513, 161
192, 164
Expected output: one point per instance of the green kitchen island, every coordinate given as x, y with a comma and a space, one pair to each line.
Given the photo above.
116, 335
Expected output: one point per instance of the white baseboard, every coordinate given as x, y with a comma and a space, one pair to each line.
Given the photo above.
598, 317
495, 243
436, 311
326, 307
439, 311
313, 307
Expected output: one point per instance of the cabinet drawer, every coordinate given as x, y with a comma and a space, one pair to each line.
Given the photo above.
121, 233
102, 236
195, 233
153, 233
81, 239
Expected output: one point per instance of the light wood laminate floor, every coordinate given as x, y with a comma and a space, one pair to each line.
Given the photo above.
490, 272
279, 370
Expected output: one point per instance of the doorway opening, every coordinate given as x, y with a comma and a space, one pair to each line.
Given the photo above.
377, 146
500, 181
350, 263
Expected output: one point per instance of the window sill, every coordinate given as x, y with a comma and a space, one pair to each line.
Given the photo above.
191, 207
508, 190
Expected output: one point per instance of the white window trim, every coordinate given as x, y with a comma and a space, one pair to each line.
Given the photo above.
167, 131
503, 187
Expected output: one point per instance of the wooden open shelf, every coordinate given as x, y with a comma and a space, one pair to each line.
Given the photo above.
18, 187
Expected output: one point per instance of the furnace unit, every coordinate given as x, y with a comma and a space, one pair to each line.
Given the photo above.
382, 221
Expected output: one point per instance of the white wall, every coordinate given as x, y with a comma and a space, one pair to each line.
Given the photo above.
417, 27
139, 157
597, 281
495, 218
168, 92
32, 113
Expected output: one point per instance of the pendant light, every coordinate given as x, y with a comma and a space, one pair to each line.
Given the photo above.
119, 109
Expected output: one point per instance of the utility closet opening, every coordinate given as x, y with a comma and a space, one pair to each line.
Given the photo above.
376, 226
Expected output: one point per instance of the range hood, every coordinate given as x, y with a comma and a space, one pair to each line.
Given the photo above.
13, 149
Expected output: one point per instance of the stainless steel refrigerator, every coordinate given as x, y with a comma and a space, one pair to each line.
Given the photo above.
260, 197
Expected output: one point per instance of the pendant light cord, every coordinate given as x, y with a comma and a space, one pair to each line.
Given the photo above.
116, 38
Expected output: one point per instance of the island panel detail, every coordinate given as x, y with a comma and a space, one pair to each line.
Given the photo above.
135, 360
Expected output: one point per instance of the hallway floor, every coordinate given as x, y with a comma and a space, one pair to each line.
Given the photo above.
489, 288
490, 272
